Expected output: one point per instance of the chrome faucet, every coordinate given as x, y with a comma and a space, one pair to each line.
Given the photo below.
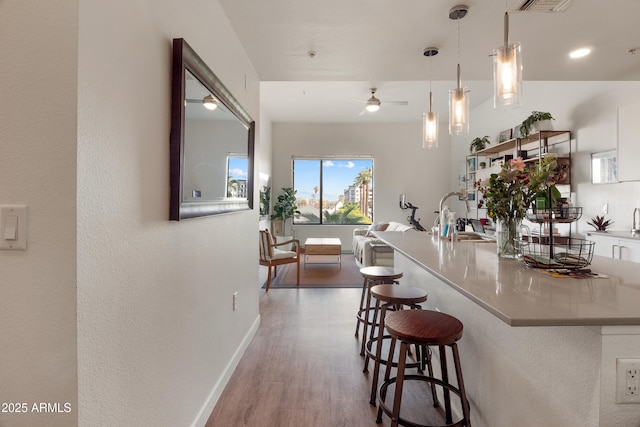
462, 195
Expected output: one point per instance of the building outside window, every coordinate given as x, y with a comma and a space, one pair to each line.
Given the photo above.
333, 191
237, 171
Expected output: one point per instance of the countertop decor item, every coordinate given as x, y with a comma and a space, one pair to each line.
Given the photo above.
599, 223
509, 193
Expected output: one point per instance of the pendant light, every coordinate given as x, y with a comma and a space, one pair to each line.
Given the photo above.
507, 72
458, 99
430, 123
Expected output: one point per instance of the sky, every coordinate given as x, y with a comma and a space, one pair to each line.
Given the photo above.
338, 174
238, 167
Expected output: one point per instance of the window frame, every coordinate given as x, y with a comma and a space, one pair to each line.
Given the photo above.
321, 176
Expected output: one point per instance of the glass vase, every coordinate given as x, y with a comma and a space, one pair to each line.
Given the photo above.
507, 233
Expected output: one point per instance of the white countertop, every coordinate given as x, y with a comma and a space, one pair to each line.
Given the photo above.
617, 234
523, 296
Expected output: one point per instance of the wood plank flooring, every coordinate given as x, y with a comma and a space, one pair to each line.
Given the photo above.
304, 368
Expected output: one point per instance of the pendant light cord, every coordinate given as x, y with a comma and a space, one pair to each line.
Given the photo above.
459, 82
506, 27
430, 92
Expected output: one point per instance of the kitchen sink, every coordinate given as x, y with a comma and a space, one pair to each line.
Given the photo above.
471, 237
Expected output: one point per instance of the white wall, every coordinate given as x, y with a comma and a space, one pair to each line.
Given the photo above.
112, 301
589, 111
38, 66
400, 166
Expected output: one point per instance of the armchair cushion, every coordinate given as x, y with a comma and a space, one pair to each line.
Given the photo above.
278, 254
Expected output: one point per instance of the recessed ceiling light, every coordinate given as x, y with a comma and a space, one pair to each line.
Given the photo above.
579, 53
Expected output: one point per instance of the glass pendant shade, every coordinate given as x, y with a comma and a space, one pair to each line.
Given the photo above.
507, 76
458, 111
430, 130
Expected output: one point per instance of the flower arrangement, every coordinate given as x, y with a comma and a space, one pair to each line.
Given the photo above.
509, 193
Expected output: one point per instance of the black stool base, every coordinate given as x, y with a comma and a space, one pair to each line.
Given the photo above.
382, 406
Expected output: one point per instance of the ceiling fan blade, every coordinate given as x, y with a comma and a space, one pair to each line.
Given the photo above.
395, 102
363, 101
364, 110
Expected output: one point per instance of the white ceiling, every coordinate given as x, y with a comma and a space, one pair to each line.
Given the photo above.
360, 44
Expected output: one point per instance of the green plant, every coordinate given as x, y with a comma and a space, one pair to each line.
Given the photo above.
265, 200
535, 116
599, 223
479, 143
285, 207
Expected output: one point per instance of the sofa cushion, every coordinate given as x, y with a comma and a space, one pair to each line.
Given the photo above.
396, 226
376, 226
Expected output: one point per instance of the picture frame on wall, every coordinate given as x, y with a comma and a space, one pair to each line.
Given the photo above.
604, 167
505, 135
515, 132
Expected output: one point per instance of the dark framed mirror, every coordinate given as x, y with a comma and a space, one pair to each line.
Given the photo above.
211, 143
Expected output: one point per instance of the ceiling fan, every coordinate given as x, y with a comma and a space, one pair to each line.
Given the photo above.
373, 104
208, 102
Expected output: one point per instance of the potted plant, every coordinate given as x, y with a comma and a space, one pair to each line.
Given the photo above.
283, 209
534, 117
479, 144
482, 165
599, 223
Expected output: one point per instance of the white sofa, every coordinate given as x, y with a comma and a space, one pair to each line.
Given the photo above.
369, 250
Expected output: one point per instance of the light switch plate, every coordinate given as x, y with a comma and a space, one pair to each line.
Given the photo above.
13, 211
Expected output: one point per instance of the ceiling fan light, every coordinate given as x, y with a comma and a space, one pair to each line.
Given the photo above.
507, 76
209, 102
430, 130
373, 105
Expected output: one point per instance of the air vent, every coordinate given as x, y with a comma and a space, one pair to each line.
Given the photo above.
543, 6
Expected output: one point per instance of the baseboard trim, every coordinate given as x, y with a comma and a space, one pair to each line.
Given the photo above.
218, 388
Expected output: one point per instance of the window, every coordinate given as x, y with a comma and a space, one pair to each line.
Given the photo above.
333, 191
237, 172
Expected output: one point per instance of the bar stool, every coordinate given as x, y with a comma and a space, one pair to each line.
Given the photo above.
373, 275
429, 328
395, 297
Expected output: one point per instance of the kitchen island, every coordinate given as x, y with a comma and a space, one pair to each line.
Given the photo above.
537, 350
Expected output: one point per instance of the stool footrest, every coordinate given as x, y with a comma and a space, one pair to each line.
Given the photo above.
382, 406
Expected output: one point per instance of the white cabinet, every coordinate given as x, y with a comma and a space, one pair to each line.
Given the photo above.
612, 246
628, 143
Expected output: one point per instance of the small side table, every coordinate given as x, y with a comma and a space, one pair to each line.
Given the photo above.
323, 246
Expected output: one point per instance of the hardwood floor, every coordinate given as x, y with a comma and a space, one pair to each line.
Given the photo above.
304, 368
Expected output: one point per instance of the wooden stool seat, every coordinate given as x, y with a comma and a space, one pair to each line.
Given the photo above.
380, 273
372, 275
428, 328
406, 295
425, 327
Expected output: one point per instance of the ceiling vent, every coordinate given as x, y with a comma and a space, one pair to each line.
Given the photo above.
543, 6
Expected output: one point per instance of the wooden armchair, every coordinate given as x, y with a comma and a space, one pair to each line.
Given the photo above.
271, 256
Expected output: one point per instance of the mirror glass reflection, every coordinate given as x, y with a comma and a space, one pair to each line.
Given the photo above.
215, 149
